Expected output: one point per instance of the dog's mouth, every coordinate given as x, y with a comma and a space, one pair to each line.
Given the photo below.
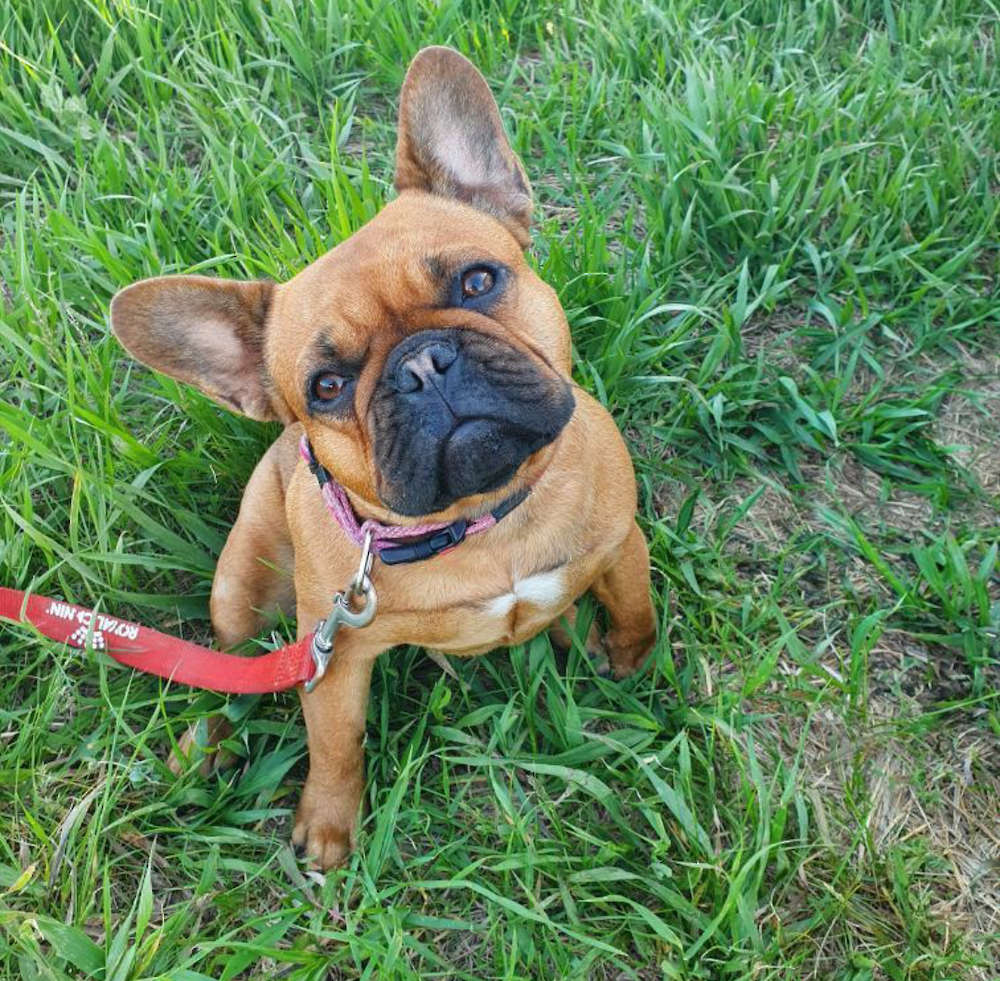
455, 413
482, 455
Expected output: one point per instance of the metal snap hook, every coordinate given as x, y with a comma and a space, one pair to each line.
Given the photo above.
356, 618
326, 630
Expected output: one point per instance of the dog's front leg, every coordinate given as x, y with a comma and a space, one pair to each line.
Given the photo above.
326, 820
623, 590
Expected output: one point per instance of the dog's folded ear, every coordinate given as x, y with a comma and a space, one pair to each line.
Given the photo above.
451, 141
206, 332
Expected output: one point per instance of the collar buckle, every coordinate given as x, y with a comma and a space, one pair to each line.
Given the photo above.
448, 537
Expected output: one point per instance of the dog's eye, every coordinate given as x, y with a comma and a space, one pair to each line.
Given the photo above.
327, 386
476, 282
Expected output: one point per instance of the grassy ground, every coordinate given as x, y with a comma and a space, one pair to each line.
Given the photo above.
774, 227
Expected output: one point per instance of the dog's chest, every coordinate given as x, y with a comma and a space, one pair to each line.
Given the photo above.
510, 616
543, 591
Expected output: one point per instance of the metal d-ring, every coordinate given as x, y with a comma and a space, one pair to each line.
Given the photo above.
362, 579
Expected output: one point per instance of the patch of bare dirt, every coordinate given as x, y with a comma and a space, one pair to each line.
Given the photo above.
867, 495
920, 775
969, 422
841, 483
925, 792
566, 216
773, 336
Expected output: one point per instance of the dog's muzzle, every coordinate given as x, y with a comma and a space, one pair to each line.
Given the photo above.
455, 413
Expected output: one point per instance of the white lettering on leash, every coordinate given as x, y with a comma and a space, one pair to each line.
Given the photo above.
62, 610
103, 625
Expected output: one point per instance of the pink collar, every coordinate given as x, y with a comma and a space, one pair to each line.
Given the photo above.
395, 543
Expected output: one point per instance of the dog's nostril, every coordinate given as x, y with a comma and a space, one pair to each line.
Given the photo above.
418, 369
442, 355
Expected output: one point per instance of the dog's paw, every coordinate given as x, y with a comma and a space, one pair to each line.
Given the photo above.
325, 826
201, 741
628, 650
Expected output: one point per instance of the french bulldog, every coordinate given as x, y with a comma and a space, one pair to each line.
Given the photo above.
428, 368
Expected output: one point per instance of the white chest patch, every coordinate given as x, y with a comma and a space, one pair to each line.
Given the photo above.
543, 589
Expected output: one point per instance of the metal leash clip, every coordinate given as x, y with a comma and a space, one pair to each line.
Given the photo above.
361, 587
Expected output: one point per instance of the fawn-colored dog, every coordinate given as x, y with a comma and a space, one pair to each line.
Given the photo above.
429, 368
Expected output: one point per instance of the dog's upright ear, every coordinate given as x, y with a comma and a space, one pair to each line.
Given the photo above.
206, 332
451, 141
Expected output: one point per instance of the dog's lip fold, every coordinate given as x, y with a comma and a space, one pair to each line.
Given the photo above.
468, 430
467, 423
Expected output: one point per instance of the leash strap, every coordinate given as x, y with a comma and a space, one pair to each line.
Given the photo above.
167, 657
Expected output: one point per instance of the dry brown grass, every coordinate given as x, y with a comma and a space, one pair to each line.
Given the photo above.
911, 770
970, 420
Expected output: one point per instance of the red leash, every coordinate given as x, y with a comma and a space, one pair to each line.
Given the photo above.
168, 657
303, 662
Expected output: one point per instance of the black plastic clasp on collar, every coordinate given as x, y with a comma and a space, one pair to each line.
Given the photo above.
317, 468
437, 543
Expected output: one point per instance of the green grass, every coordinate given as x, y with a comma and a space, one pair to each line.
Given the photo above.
774, 228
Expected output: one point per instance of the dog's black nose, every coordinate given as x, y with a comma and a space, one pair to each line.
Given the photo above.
419, 360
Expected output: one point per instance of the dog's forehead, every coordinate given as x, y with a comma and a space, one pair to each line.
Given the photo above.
394, 261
